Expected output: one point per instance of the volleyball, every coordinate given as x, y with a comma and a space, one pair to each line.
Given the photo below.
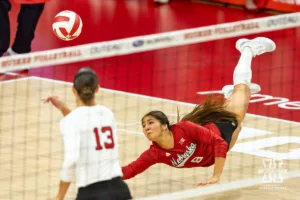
67, 25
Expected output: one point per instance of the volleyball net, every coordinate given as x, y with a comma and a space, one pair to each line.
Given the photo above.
157, 72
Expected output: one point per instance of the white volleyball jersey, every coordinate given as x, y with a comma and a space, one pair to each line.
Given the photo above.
90, 145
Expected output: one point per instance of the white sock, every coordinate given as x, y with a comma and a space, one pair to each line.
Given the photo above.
242, 73
11, 52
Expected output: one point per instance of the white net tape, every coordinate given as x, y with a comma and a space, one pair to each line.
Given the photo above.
150, 42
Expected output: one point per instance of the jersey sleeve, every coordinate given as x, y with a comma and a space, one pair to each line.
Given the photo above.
204, 135
71, 139
146, 159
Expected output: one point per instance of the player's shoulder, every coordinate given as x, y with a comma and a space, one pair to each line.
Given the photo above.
153, 147
183, 124
68, 122
74, 114
153, 152
82, 111
70, 119
105, 109
79, 113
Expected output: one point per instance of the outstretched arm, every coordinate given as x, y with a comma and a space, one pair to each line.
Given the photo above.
207, 136
218, 169
58, 104
145, 160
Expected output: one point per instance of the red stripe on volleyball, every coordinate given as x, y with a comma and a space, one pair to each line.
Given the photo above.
61, 19
76, 25
64, 32
55, 33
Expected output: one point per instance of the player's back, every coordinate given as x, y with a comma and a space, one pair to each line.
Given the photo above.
98, 149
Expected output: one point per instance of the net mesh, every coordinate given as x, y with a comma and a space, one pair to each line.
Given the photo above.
157, 72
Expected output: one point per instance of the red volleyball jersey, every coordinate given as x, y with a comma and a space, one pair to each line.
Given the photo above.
194, 146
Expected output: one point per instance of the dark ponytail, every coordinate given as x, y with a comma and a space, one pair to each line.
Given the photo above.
86, 82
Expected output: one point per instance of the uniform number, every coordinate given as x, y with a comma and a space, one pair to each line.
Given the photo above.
196, 159
105, 131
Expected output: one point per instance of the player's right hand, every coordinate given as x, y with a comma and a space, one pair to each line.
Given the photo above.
55, 101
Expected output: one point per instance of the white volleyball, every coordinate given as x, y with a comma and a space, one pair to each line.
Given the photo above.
67, 25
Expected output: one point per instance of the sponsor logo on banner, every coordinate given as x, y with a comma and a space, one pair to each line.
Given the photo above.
138, 43
284, 20
42, 58
108, 48
202, 33
157, 40
222, 30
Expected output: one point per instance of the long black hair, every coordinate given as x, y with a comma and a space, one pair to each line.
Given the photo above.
212, 110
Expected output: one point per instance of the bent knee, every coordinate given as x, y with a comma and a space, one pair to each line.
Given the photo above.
241, 87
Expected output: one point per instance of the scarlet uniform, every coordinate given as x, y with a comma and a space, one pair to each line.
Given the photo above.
194, 146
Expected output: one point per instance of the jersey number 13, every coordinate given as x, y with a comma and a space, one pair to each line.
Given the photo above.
105, 131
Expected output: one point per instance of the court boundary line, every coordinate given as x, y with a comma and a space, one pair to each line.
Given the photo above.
161, 99
215, 189
15, 80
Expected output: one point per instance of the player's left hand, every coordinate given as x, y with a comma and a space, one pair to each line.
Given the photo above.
212, 180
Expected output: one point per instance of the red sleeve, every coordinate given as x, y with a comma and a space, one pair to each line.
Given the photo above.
205, 135
148, 158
